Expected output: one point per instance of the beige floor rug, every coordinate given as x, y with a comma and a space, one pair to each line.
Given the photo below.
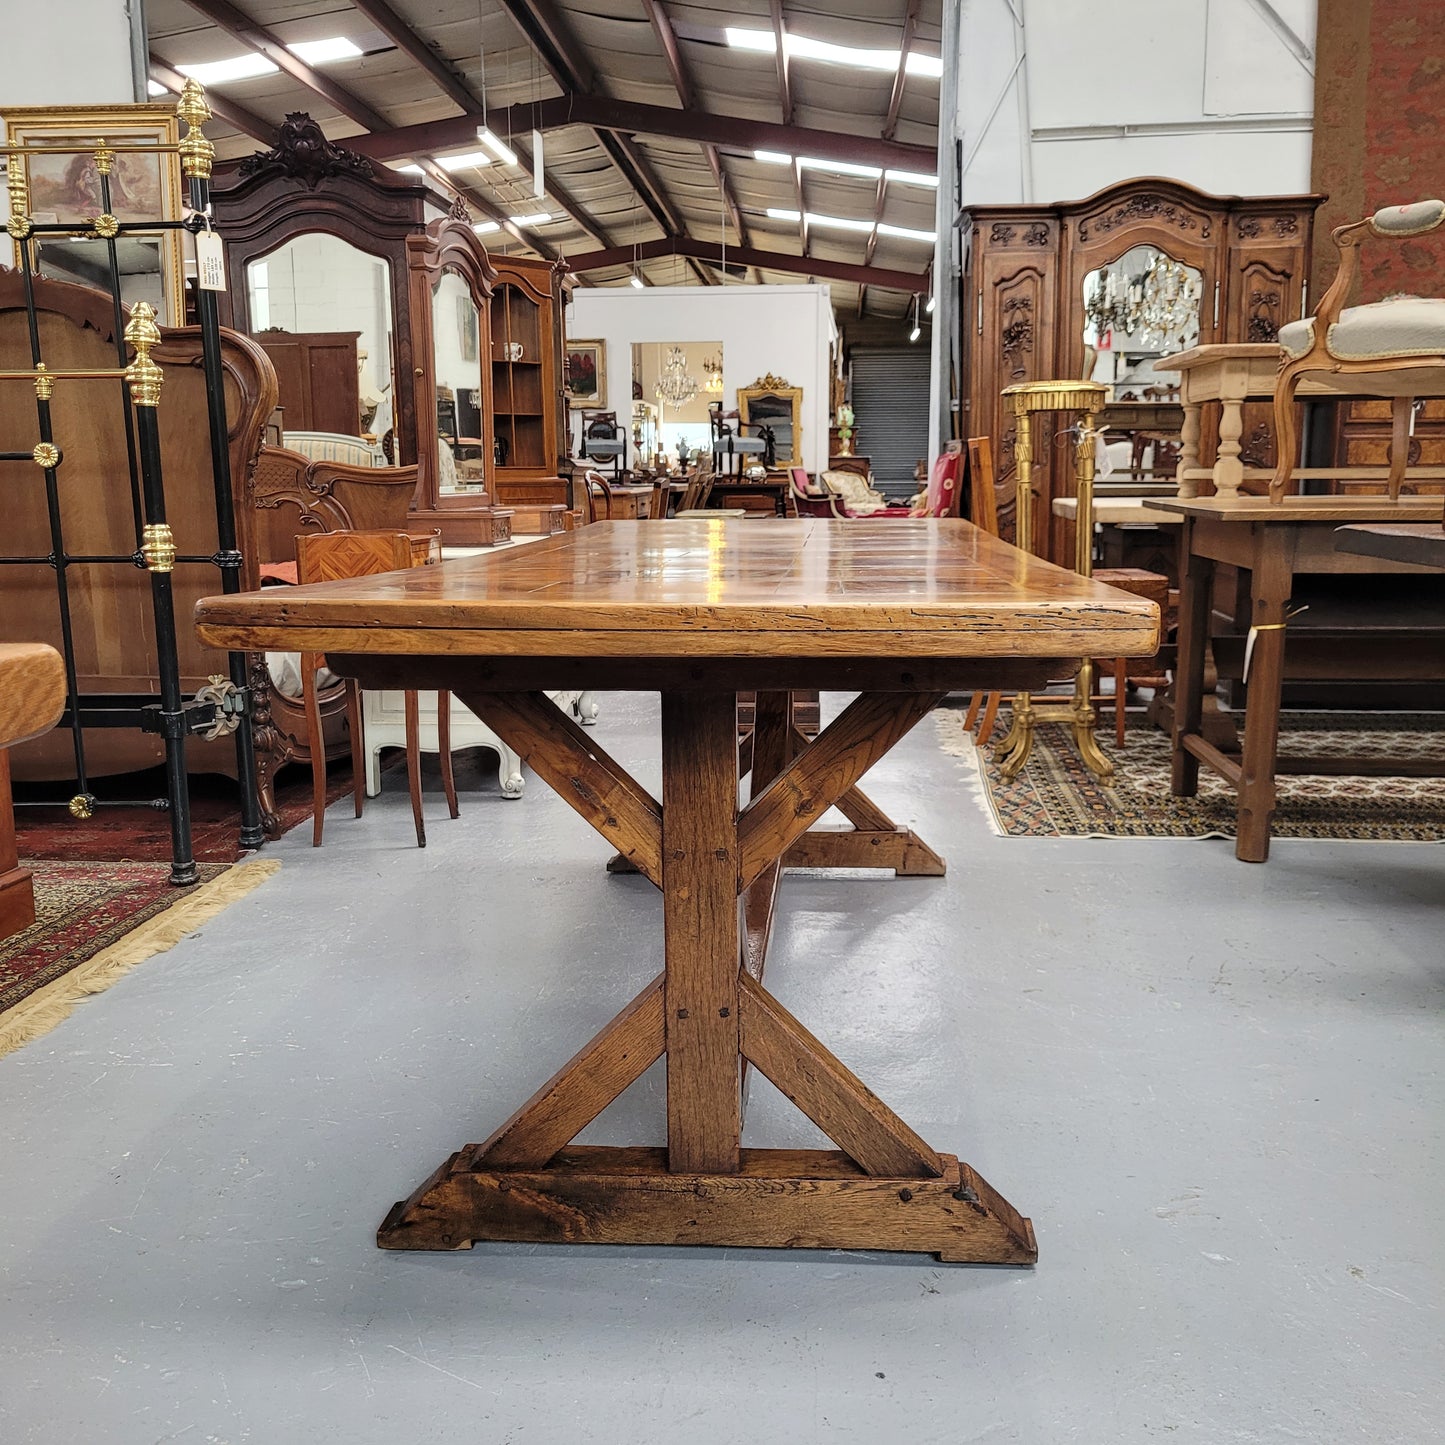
1057, 797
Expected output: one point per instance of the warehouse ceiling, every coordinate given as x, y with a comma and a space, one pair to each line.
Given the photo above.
681, 144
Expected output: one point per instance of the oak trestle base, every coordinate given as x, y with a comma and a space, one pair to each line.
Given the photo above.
710, 1018
777, 1198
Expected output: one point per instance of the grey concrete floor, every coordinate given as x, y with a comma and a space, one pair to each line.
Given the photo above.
1216, 1088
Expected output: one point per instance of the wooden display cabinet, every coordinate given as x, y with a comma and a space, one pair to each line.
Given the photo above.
528, 398
1022, 311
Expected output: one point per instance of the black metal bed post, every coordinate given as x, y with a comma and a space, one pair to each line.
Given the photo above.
197, 158
48, 456
158, 551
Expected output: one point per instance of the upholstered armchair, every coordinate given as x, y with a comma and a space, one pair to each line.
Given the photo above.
1393, 348
330, 446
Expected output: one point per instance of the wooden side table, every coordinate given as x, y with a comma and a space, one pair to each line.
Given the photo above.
1274, 542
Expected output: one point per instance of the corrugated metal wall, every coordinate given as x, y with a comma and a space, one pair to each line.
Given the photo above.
890, 400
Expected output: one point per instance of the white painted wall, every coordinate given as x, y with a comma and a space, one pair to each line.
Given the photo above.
69, 52
320, 283
785, 330
1058, 99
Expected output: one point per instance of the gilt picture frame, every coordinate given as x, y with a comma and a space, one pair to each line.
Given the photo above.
65, 188
586, 374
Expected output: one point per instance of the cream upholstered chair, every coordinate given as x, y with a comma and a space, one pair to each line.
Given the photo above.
333, 446
1393, 348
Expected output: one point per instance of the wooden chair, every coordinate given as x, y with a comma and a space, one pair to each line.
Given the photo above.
699, 489
327, 557
604, 440
730, 447
1393, 348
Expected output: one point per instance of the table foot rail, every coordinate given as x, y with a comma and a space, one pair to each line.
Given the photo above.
779, 1198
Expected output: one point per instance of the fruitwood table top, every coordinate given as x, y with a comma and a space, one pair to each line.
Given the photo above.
1300, 509
848, 589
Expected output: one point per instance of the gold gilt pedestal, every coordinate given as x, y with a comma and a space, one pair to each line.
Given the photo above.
1077, 713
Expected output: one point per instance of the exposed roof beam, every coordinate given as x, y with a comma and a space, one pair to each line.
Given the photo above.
780, 51
712, 253
240, 26
256, 37
566, 62
456, 90
687, 94
600, 113
890, 129
235, 116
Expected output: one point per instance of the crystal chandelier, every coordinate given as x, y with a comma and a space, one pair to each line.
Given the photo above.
675, 388
712, 374
1160, 307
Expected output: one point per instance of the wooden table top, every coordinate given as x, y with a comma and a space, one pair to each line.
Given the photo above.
1301, 509
900, 588
32, 690
1115, 512
1420, 542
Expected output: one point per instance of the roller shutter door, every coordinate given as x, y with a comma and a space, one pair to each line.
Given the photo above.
890, 400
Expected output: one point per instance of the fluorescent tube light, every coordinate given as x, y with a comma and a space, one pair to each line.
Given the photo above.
773, 158
464, 162
485, 228
841, 223
774, 214
760, 40
238, 67
916, 332
913, 178
907, 233
498, 147
541, 218
248, 67
323, 52
802, 47
917, 64
410, 168
636, 280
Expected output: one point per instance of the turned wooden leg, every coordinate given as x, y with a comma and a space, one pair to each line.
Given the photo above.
990, 717
356, 728
413, 763
1228, 468
1121, 688
1273, 580
444, 744
315, 743
1189, 451
1194, 613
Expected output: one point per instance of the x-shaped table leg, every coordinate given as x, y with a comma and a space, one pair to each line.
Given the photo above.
709, 1014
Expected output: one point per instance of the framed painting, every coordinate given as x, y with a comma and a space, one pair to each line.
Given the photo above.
65, 188
586, 373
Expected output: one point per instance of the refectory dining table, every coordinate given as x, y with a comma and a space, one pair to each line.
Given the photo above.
898, 612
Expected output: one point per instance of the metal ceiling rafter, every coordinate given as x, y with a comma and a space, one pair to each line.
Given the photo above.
728, 132
235, 116
558, 50
785, 105
456, 90
890, 129
687, 94
256, 37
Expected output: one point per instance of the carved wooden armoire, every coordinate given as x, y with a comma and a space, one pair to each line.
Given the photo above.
1022, 309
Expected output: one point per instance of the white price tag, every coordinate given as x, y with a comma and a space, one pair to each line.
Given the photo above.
210, 263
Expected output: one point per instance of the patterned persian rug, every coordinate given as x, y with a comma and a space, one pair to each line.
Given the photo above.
94, 922
1057, 797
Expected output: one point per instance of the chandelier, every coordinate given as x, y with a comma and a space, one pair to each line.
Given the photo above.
1160, 306
712, 376
675, 387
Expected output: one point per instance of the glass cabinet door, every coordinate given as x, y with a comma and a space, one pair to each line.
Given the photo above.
517, 380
